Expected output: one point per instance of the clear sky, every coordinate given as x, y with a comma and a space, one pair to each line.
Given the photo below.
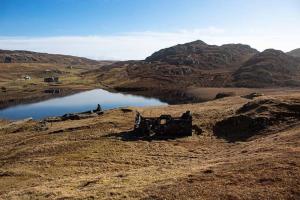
133, 29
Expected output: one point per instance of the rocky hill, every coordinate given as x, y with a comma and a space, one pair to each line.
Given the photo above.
201, 55
195, 63
295, 52
7, 56
198, 64
271, 68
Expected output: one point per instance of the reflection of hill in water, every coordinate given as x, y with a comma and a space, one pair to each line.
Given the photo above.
170, 96
77, 103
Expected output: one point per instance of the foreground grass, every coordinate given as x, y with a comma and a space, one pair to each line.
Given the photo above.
89, 159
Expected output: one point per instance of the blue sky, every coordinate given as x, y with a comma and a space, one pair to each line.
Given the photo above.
131, 29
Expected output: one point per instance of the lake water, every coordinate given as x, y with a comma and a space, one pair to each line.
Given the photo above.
76, 103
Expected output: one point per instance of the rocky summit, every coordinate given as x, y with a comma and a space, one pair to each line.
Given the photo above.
203, 56
269, 68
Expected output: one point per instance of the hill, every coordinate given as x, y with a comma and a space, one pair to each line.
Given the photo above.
271, 68
16, 65
295, 53
191, 64
172, 74
7, 56
197, 64
203, 56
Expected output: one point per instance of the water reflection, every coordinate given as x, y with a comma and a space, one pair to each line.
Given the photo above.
77, 103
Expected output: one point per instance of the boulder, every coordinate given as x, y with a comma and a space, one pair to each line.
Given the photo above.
225, 94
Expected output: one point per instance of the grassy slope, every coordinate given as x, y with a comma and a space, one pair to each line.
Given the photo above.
18, 90
88, 159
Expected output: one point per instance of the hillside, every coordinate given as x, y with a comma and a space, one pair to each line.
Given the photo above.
169, 74
7, 56
99, 158
203, 56
191, 64
16, 65
271, 68
197, 64
295, 53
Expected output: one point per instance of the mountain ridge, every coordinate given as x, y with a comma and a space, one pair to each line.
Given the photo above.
201, 55
22, 56
197, 64
295, 52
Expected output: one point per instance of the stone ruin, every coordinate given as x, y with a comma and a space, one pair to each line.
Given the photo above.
164, 126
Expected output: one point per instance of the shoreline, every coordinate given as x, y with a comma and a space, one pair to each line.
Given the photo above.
167, 95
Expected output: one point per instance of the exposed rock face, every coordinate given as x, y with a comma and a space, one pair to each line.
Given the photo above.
295, 53
256, 116
267, 69
201, 55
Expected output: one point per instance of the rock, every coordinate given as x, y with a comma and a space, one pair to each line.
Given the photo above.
3, 89
225, 94
126, 110
7, 59
197, 130
253, 95
240, 127
77, 116
258, 115
52, 91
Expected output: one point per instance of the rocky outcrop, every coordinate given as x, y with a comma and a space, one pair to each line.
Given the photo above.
271, 68
256, 116
253, 95
77, 116
201, 55
225, 94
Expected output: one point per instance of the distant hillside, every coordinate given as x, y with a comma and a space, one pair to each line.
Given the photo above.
269, 68
198, 64
295, 52
201, 55
34, 57
195, 63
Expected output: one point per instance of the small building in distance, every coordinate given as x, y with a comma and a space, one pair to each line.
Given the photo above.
26, 77
51, 79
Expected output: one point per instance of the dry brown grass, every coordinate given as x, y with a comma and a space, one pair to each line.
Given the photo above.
87, 159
